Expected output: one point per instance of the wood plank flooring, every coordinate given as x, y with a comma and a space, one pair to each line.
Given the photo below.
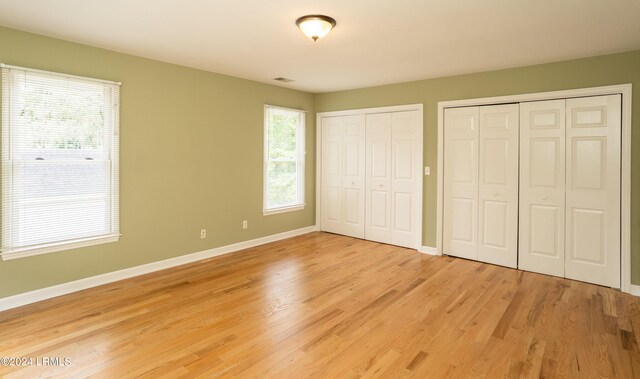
328, 306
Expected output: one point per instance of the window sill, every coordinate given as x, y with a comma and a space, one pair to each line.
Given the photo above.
292, 208
54, 247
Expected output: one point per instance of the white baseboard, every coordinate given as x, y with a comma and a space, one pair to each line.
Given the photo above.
633, 290
429, 250
98, 280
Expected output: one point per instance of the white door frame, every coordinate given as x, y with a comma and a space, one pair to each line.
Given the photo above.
366, 111
625, 91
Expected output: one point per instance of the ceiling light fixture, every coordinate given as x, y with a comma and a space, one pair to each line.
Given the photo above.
315, 26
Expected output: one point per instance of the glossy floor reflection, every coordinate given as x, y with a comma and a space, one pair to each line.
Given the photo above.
328, 306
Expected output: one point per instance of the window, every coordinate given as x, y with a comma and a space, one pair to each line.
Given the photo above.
59, 162
283, 159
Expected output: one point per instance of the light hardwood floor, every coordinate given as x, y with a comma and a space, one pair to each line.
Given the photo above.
328, 306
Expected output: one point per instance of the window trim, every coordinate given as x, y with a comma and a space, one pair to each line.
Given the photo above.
300, 162
59, 246
114, 170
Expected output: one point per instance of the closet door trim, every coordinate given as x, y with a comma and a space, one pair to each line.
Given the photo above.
624, 90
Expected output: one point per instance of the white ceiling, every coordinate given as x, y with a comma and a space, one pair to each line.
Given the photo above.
375, 41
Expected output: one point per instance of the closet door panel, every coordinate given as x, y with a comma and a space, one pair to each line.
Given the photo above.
378, 178
460, 224
498, 185
353, 196
593, 190
542, 187
332, 172
406, 174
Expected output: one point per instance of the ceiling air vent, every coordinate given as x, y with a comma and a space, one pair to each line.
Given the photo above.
283, 80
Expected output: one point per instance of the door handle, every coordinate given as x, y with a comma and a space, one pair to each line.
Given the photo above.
381, 185
496, 194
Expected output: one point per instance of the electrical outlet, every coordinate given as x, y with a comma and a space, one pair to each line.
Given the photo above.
203, 234
427, 170
245, 224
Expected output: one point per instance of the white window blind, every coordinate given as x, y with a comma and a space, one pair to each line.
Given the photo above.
59, 162
284, 152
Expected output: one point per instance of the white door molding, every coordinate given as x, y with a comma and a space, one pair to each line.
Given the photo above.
624, 90
370, 111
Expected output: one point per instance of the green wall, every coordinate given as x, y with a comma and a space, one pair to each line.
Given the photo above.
191, 158
589, 72
191, 148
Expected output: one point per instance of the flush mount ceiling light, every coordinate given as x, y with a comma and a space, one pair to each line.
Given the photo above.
315, 26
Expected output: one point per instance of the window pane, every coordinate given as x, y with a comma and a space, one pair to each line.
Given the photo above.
282, 135
58, 119
284, 131
42, 179
46, 220
58, 160
281, 184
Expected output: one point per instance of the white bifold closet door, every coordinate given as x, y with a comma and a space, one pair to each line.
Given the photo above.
570, 188
343, 180
542, 186
460, 224
593, 190
393, 173
481, 183
378, 178
406, 177
498, 185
